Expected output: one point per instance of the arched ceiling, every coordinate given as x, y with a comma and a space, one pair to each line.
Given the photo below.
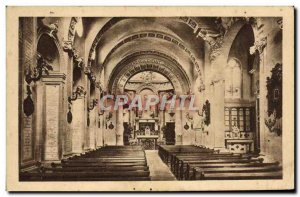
112, 39
168, 35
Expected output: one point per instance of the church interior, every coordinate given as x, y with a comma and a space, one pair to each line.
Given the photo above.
232, 65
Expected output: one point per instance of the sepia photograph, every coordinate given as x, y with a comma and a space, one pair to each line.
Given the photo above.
150, 99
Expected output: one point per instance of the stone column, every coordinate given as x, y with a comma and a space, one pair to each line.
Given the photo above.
78, 125
161, 121
91, 129
263, 103
178, 127
120, 127
99, 130
39, 88
217, 115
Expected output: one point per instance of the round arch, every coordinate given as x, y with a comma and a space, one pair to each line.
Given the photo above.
148, 86
148, 61
48, 46
221, 61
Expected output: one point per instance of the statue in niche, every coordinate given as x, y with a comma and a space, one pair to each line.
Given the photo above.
274, 97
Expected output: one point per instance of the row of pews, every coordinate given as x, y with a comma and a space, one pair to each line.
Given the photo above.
109, 163
189, 162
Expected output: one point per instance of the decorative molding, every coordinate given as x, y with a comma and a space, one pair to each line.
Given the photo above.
99, 85
215, 48
78, 92
259, 46
136, 86
71, 33
201, 87
260, 37
215, 81
88, 71
42, 66
68, 47
93, 103
133, 69
215, 39
72, 52
51, 29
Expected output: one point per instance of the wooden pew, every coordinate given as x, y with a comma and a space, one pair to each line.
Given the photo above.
88, 176
177, 161
166, 151
233, 173
187, 171
179, 164
115, 163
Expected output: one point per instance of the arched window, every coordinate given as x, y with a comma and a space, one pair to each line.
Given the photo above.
233, 79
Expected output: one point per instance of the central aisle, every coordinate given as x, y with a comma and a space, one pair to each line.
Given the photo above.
159, 171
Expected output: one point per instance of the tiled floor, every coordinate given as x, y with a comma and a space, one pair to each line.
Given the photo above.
158, 169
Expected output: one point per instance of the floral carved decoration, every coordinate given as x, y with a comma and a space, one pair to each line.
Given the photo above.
42, 67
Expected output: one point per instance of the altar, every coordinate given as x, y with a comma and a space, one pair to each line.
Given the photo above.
148, 142
147, 133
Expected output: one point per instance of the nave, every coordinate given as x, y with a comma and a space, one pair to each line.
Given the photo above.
132, 163
217, 83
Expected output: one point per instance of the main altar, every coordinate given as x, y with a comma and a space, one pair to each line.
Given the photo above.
147, 133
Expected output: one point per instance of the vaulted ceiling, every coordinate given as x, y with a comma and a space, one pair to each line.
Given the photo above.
113, 39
